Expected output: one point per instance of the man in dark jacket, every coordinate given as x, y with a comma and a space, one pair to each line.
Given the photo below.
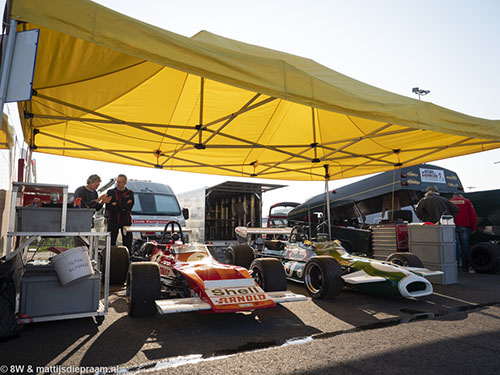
122, 201
431, 207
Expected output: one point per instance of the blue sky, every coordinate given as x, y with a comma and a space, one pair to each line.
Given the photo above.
447, 46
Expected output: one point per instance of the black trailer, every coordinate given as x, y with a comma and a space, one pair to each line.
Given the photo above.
387, 196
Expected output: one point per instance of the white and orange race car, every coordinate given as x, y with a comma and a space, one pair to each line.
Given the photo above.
172, 276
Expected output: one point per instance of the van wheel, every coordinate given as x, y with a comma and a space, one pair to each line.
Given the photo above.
484, 257
323, 277
143, 288
239, 255
118, 264
405, 260
269, 274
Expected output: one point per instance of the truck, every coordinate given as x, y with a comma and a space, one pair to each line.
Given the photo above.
484, 253
214, 212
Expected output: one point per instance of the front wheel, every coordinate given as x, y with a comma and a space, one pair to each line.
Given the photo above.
323, 277
118, 264
269, 274
143, 288
405, 260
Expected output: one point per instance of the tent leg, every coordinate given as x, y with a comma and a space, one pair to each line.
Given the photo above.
327, 195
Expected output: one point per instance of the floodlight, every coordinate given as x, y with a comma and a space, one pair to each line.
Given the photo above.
420, 92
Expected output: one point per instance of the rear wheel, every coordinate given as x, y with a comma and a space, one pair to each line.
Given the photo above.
269, 274
484, 257
239, 255
405, 260
118, 264
323, 277
143, 288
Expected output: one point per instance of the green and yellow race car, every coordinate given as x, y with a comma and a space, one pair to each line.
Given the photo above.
326, 267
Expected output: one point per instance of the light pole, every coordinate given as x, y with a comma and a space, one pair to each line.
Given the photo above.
420, 92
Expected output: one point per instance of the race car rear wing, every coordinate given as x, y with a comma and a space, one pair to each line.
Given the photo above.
243, 232
147, 229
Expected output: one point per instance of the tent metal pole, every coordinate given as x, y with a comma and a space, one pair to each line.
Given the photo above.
7, 63
202, 98
327, 195
309, 221
315, 143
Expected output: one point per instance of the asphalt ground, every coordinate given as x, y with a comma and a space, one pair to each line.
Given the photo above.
456, 330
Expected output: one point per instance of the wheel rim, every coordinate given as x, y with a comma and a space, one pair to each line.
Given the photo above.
257, 276
399, 262
480, 258
228, 257
314, 279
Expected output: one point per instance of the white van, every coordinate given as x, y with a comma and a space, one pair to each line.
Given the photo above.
155, 205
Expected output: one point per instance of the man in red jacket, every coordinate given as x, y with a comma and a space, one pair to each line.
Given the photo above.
465, 223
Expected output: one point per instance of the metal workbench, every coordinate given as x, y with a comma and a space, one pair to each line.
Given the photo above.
19, 241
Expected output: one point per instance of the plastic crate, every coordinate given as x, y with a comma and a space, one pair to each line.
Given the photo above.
449, 276
42, 295
431, 233
48, 219
435, 253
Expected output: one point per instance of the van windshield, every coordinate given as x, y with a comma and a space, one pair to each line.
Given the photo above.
155, 204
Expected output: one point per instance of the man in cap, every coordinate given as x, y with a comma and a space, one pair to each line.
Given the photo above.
432, 206
465, 223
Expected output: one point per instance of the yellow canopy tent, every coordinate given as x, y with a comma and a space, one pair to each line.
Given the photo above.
108, 87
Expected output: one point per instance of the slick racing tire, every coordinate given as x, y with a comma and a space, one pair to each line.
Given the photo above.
484, 257
143, 288
323, 277
239, 255
269, 274
405, 260
118, 264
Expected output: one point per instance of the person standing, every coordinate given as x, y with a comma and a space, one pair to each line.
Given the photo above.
432, 206
88, 194
465, 224
119, 207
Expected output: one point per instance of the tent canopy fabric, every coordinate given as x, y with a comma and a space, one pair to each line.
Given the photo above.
111, 88
6, 133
